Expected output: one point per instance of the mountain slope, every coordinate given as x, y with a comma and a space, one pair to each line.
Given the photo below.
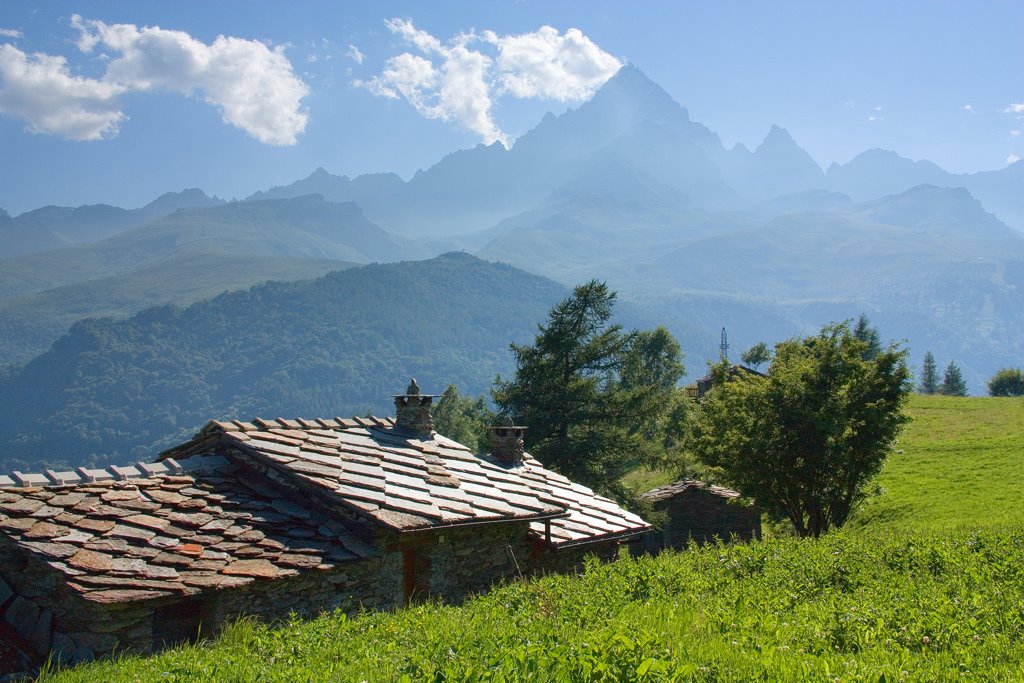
30, 323
191, 254
119, 390
53, 227
929, 265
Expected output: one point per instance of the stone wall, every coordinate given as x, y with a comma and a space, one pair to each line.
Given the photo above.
547, 560
699, 516
50, 617
44, 611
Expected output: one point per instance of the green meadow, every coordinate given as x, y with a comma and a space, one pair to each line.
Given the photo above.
926, 585
959, 464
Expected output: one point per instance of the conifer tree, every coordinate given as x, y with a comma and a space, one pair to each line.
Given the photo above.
863, 331
929, 375
953, 383
590, 393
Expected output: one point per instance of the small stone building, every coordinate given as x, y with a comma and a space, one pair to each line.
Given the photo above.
273, 517
697, 512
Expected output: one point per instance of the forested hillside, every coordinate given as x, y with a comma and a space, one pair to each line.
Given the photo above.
112, 391
192, 254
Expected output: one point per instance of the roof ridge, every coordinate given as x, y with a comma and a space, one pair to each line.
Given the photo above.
85, 475
262, 424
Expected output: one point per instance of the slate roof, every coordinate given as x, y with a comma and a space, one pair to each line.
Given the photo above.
675, 488
406, 483
161, 530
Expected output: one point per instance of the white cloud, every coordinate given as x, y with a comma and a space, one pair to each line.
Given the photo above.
1012, 159
1015, 133
566, 68
1015, 109
10, 33
969, 108
40, 89
872, 119
253, 85
458, 82
355, 55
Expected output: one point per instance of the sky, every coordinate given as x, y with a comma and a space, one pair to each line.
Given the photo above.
119, 102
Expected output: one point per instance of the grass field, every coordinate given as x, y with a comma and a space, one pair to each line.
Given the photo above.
928, 585
845, 608
959, 464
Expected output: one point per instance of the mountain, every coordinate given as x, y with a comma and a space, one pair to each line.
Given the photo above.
630, 120
625, 188
929, 265
116, 391
878, 172
191, 254
778, 166
53, 227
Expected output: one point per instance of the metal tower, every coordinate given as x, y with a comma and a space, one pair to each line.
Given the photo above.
723, 348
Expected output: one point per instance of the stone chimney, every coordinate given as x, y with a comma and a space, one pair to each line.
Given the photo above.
507, 442
412, 411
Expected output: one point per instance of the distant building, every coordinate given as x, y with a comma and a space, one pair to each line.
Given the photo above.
703, 385
699, 513
272, 517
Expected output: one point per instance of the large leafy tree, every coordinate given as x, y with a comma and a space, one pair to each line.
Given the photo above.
591, 394
805, 440
1007, 382
953, 383
756, 355
929, 375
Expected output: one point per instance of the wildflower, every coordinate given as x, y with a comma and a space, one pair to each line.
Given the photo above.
926, 640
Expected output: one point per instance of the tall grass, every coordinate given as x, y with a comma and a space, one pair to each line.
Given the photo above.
898, 607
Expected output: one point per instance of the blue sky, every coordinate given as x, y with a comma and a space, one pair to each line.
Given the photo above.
104, 102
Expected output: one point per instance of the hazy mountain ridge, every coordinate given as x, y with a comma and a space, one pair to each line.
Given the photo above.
191, 254
114, 391
52, 227
627, 188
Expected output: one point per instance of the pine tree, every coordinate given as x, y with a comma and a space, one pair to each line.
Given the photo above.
929, 375
953, 383
863, 331
589, 393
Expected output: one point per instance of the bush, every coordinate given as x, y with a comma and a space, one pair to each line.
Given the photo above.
1007, 382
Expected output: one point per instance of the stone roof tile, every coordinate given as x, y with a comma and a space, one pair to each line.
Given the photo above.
675, 488
406, 483
112, 554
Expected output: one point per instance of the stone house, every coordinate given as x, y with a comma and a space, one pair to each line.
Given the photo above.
272, 517
696, 512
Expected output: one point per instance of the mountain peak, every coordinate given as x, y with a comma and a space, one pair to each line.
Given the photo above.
322, 173
630, 88
777, 137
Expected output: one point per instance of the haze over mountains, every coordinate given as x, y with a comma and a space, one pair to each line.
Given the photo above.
625, 188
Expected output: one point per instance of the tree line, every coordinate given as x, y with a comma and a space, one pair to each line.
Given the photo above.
1005, 382
802, 440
